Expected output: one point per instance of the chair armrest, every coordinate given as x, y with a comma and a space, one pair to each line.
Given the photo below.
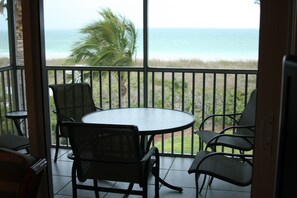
215, 139
39, 166
149, 154
231, 115
71, 156
99, 109
251, 128
61, 118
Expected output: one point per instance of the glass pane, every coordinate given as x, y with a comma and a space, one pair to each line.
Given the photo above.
199, 33
4, 41
64, 20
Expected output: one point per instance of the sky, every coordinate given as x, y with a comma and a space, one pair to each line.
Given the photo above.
74, 14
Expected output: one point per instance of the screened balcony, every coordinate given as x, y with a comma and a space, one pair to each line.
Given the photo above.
192, 89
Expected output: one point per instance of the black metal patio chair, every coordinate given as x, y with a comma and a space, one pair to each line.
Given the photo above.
113, 153
232, 168
20, 174
238, 136
72, 102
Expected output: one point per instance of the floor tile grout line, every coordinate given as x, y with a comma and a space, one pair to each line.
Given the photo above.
57, 193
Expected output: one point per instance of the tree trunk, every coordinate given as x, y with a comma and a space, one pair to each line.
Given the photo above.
19, 33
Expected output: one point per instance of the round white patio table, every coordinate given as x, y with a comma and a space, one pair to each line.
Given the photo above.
150, 122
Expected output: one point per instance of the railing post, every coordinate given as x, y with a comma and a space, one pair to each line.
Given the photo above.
145, 52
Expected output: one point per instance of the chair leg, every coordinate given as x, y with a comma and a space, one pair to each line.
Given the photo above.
144, 193
57, 143
210, 181
96, 187
57, 148
204, 179
130, 187
196, 184
156, 175
73, 177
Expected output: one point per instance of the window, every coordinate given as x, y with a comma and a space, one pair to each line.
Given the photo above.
199, 33
190, 33
62, 29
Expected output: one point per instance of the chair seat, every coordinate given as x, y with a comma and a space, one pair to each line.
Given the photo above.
229, 141
222, 167
13, 142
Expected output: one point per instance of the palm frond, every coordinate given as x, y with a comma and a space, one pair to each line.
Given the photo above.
110, 41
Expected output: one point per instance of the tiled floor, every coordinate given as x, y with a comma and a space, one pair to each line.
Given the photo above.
174, 170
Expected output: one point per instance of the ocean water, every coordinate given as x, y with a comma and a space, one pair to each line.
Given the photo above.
169, 44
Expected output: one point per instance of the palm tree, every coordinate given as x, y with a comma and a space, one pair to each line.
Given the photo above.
2, 6
18, 27
107, 42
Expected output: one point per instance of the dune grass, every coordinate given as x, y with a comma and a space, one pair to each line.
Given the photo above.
4, 61
196, 63
192, 63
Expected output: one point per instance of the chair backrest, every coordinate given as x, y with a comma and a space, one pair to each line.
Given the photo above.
248, 116
20, 174
110, 152
73, 101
